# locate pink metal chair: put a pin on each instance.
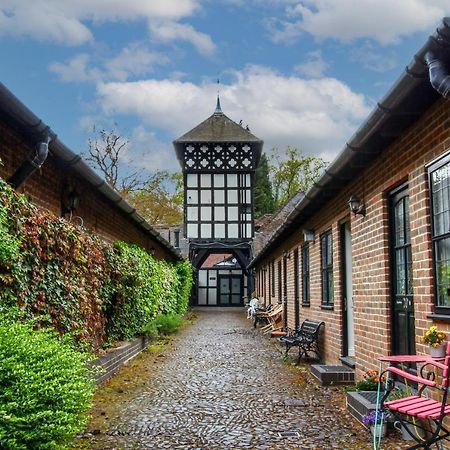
(430, 401)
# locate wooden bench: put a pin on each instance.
(261, 315)
(306, 338)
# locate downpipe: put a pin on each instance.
(439, 74)
(33, 163)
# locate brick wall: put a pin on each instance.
(49, 187)
(404, 161)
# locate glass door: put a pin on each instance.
(403, 324)
(230, 290)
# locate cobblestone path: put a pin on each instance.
(220, 384)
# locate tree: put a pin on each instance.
(155, 201)
(293, 172)
(157, 197)
(105, 152)
(264, 199)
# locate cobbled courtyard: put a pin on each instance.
(220, 384)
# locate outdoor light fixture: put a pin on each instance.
(286, 255)
(71, 203)
(356, 206)
(74, 201)
(308, 235)
(152, 251)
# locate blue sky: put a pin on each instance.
(301, 73)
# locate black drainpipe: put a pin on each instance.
(29, 166)
(439, 74)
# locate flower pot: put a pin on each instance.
(438, 352)
(381, 430)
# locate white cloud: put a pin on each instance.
(384, 21)
(314, 67)
(78, 69)
(373, 60)
(134, 60)
(170, 31)
(63, 21)
(317, 115)
(147, 152)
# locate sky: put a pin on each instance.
(300, 73)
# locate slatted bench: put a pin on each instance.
(306, 338)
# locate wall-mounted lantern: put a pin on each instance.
(356, 206)
(308, 235)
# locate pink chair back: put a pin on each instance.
(447, 364)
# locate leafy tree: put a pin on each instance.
(155, 201)
(292, 172)
(158, 197)
(264, 199)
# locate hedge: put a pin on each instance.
(46, 388)
(73, 281)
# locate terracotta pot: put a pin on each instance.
(438, 352)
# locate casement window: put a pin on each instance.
(218, 206)
(326, 247)
(439, 178)
(305, 276)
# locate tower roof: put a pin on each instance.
(218, 128)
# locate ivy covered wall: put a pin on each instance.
(61, 275)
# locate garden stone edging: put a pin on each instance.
(118, 357)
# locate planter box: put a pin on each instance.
(360, 403)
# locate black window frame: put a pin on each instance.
(326, 249)
(305, 274)
(245, 210)
(436, 239)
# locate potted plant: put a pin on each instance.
(370, 381)
(435, 339)
(376, 422)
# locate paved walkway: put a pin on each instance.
(220, 385)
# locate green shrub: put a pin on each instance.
(168, 324)
(150, 330)
(186, 280)
(142, 288)
(45, 388)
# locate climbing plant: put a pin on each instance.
(76, 283)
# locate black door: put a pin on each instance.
(230, 290)
(285, 295)
(296, 288)
(402, 293)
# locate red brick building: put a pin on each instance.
(65, 184)
(380, 277)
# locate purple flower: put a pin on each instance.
(369, 419)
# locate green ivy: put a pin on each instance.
(76, 283)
